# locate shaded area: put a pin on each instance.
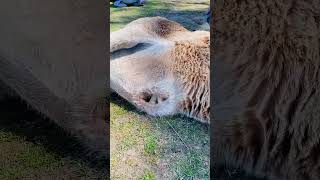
(182, 17)
(27, 138)
(191, 14)
(229, 173)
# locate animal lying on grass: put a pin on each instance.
(52, 55)
(162, 68)
(266, 88)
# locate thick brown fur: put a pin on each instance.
(266, 87)
(192, 68)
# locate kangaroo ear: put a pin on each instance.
(129, 51)
(144, 30)
(129, 37)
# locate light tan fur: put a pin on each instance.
(169, 76)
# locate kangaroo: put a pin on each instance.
(52, 55)
(266, 88)
(162, 68)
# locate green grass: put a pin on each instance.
(151, 145)
(190, 166)
(7, 136)
(37, 157)
(171, 147)
(149, 175)
(21, 159)
(32, 148)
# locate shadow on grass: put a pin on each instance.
(191, 19)
(18, 119)
(230, 173)
(118, 100)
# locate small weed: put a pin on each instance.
(191, 166)
(151, 145)
(7, 136)
(148, 175)
(128, 142)
(117, 111)
(36, 157)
